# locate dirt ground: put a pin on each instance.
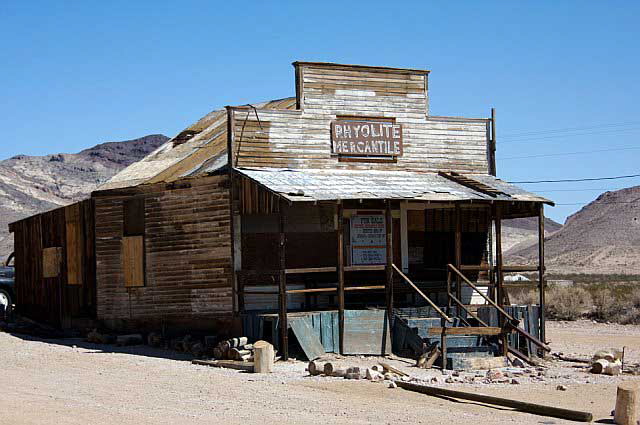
(73, 382)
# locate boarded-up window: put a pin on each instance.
(133, 211)
(133, 260)
(75, 243)
(51, 259)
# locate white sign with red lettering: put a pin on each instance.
(368, 239)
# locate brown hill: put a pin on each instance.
(523, 232)
(32, 184)
(603, 238)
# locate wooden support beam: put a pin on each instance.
(373, 268)
(310, 290)
(458, 248)
(541, 287)
(282, 316)
(365, 288)
(340, 214)
(310, 270)
(389, 265)
(497, 215)
(536, 409)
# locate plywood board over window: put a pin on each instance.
(75, 244)
(51, 259)
(133, 260)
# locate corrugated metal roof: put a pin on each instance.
(197, 148)
(331, 184)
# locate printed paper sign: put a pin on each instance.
(368, 239)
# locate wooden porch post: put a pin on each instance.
(499, 277)
(340, 223)
(389, 288)
(458, 250)
(541, 271)
(284, 326)
(497, 214)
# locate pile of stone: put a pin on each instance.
(376, 373)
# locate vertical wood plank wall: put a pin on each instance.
(69, 295)
(188, 261)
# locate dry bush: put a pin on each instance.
(523, 296)
(631, 317)
(606, 306)
(567, 303)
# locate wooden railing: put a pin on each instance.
(509, 322)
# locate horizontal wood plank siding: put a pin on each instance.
(301, 139)
(187, 254)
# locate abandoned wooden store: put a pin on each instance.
(345, 219)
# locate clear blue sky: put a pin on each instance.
(76, 73)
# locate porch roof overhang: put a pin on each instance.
(312, 185)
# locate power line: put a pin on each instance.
(571, 153)
(579, 190)
(555, 136)
(569, 129)
(578, 180)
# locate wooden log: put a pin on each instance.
(314, 368)
(627, 403)
(537, 409)
(237, 354)
(599, 366)
(217, 353)
(331, 370)
(264, 355)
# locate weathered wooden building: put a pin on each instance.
(346, 206)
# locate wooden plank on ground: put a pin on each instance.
(227, 364)
(307, 338)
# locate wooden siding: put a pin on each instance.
(187, 252)
(301, 138)
(69, 294)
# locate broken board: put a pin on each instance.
(307, 338)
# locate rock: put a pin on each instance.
(516, 362)
(494, 375)
(373, 375)
(515, 381)
(392, 385)
(455, 373)
(435, 380)
(449, 380)
(561, 388)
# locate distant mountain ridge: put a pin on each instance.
(33, 184)
(602, 238)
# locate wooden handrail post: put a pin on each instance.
(458, 248)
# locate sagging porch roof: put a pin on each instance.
(342, 184)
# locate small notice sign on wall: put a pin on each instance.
(366, 138)
(368, 239)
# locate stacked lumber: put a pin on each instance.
(237, 349)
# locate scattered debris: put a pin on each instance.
(561, 388)
(132, 339)
(392, 385)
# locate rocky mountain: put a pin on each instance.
(32, 184)
(602, 238)
(523, 232)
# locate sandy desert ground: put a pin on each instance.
(73, 382)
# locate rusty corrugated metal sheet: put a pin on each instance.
(326, 185)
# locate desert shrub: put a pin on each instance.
(522, 296)
(567, 303)
(606, 306)
(631, 317)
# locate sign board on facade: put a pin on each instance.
(368, 239)
(366, 138)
